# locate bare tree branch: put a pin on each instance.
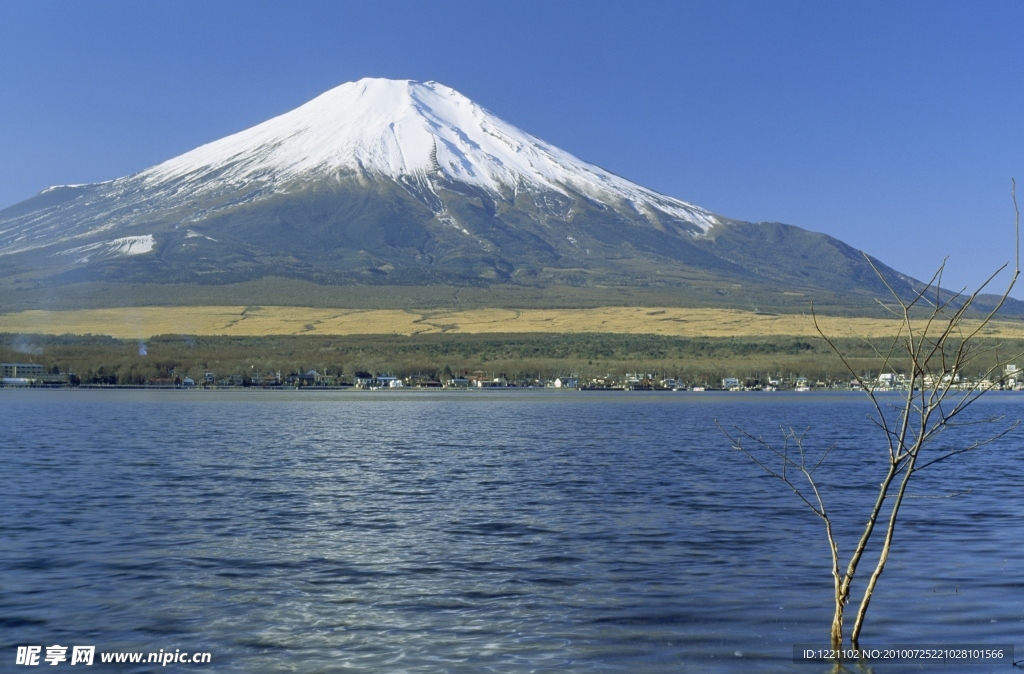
(939, 345)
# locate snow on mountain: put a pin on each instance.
(395, 128)
(122, 247)
(425, 137)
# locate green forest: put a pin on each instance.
(700, 361)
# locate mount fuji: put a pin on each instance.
(382, 183)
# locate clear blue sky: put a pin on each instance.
(894, 127)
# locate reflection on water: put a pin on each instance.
(506, 532)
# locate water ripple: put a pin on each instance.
(494, 533)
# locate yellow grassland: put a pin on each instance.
(144, 322)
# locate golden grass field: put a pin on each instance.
(145, 322)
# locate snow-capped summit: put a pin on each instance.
(394, 128)
(401, 183)
(425, 138)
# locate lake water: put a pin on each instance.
(477, 532)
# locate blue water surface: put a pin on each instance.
(543, 531)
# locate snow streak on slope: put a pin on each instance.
(123, 247)
(395, 128)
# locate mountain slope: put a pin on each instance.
(381, 182)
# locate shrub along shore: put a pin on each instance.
(696, 361)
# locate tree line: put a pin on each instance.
(99, 359)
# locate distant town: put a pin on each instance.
(34, 375)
